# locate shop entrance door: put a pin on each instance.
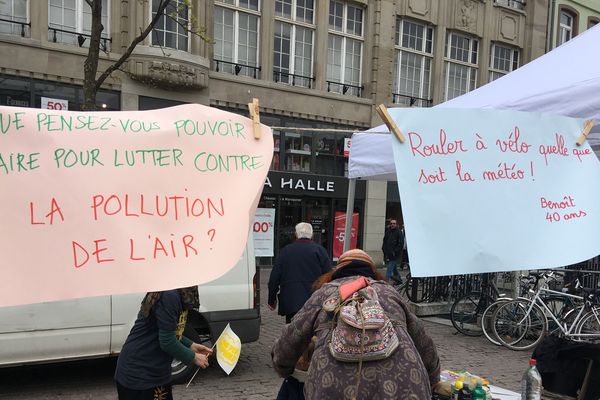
(290, 214)
(318, 213)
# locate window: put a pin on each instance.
(293, 46)
(518, 4)
(171, 30)
(70, 21)
(566, 27)
(298, 151)
(236, 37)
(592, 21)
(26, 92)
(412, 64)
(18, 12)
(503, 60)
(460, 67)
(344, 50)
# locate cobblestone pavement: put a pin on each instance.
(253, 377)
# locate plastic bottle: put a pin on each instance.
(466, 392)
(457, 389)
(531, 387)
(478, 393)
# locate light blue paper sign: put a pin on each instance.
(488, 191)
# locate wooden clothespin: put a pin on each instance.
(255, 116)
(589, 124)
(389, 122)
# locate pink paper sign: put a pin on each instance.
(116, 202)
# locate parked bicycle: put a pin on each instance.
(527, 284)
(521, 324)
(467, 311)
(439, 288)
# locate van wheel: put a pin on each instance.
(181, 373)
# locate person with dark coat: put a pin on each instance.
(392, 247)
(298, 265)
(410, 372)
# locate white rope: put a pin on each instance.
(291, 128)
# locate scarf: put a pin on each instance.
(353, 268)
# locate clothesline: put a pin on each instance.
(332, 130)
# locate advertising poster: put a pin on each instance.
(262, 231)
(339, 228)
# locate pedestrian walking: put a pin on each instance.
(298, 265)
(392, 247)
(144, 365)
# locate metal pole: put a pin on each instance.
(349, 212)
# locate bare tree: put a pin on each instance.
(92, 81)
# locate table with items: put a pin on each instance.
(464, 385)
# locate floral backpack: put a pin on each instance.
(361, 330)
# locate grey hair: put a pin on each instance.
(304, 231)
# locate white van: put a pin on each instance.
(98, 326)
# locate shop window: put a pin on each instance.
(275, 164)
(172, 28)
(460, 66)
(56, 91)
(290, 213)
(318, 214)
(14, 92)
(24, 92)
(345, 47)
(70, 22)
(298, 151)
(325, 150)
(236, 26)
(105, 100)
(14, 17)
(154, 103)
(503, 59)
(294, 40)
(412, 64)
(341, 158)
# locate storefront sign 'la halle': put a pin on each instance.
(315, 184)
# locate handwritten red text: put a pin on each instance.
(558, 148)
(442, 147)
(513, 143)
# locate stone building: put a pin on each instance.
(320, 64)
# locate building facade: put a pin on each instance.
(318, 67)
(568, 18)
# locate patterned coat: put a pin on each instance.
(407, 374)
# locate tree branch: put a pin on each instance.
(117, 64)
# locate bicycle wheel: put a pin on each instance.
(399, 286)
(415, 292)
(589, 325)
(486, 320)
(466, 313)
(516, 327)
